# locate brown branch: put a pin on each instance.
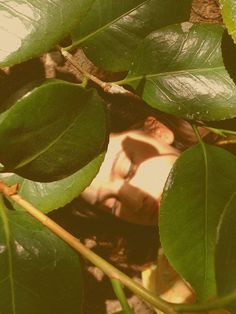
(108, 87)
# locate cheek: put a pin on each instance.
(152, 175)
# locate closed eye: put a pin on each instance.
(131, 172)
(123, 167)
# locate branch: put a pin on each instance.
(108, 269)
(227, 141)
(108, 87)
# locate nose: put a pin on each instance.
(98, 192)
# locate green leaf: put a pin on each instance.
(113, 29)
(228, 12)
(179, 70)
(52, 131)
(29, 28)
(226, 252)
(39, 272)
(199, 187)
(52, 195)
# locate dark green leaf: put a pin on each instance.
(29, 28)
(179, 69)
(39, 272)
(52, 195)
(113, 29)
(226, 252)
(199, 187)
(228, 11)
(52, 131)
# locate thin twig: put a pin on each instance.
(221, 132)
(108, 87)
(226, 141)
(228, 136)
(108, 269)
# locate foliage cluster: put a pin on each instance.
(53, 137)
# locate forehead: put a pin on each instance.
(137, 141)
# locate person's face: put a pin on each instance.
(132, 177)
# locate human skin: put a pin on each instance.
(132, 177)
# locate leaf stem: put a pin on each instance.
(84, 82)
(119, 291)
(221, 132)
(195, 129)
(206, 203)
(107, 268)
(230, 139)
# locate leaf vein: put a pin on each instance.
(104, 27)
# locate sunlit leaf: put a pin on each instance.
(29, 28)
(52, 131)
(199, 187)
(179, 69)
(113, 29)
(39, 272)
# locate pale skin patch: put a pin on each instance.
(132, 177)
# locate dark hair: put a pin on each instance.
(126, 114)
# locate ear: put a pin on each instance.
(165, 134)
(158, 130)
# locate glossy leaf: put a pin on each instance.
(179, 69)
(199, 187)
(39, 272)
(226, 252)
(52, 195)
(52, 131)
(113, 29)
(29, 28)
(228, 11)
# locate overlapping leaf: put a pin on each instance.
(29, 28)
(228, 11)
(52, 131)
(52, 195)
(226, 253)
(179, 70)
(113, 29)
(199, 187)
(39, 272)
